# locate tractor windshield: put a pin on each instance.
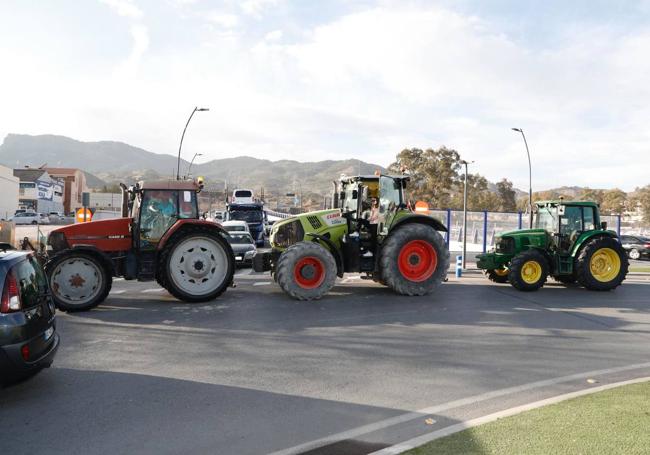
(545, 219)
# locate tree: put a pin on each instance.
(588, 194)
(434, 173)
(614, 202)
(506, 195)
(641, 200)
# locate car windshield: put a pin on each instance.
(240, 239)
(235, 228)
(545, 219)
(250, 216)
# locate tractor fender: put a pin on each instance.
(583, 239)
(105, 259)
(333, 249)
(422, 219)
(179, 224)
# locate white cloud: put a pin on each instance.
(225, 20)
(126, 8)
(275, 35)
(256, 8)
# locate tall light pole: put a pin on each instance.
(189, 169)
(178, 163)
(530, 177)
(465, 213)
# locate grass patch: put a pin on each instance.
(615, 421)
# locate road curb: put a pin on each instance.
(421, 440)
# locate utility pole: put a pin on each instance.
(530, 178)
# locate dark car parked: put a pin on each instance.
(28, 338)
(637, 246)
(243, 247)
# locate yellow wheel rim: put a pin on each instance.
(531, 272)
(501, 272)
(605, 265)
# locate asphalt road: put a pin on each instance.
(255, 372)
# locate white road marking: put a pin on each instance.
(261, 283)
(364, 429)
(420, 440)
(153, 290)
(120, 291)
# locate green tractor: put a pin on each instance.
(568, 243)
(370, 230)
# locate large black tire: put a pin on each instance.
(528, 271)
(196, 264)
(79, 280)
(497, 275)
(602, 264)
(306, 271)
(414, 259)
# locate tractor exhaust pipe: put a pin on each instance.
(335, 195)
(125, 200)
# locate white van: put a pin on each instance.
(242, 196)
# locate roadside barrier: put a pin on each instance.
(459, 266)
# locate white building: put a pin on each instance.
(38, 191)
(9, 185)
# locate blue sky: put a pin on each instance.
(311, 80)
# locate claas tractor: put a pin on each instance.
(160, 236)
(568, 242)
(370, 230)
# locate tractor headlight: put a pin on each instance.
(287, 234)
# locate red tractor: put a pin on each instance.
(159, 237)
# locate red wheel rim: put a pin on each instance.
(309, 272)
(417, 260)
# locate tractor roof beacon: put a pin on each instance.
(568, 242)
(159, 236)
(370, 230)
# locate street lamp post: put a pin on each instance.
(178, 163)
(530, 178)
(189, 169)
(465, 214)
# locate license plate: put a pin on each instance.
(48, 333)
(238, 258)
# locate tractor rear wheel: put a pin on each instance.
(306, 271)
(497, 275)
(79, 280)
(414, 260)
(528, 271)
(602, 264)
(196, 265)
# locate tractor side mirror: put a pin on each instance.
(355, 194)
(603, 225)
(205, 215)
(560, 210)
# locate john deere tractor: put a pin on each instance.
(370, 230)
(568, 242)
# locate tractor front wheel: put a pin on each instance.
(197, 265)
(602, 264)
(414, 260)
(528, 271)
(497, 275)
(78, 280)
(306, 271)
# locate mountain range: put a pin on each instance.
(110, 162)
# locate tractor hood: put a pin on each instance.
(523, 233)
(329, 217)
(105, 235)
(516, 240)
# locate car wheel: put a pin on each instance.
(634, 254)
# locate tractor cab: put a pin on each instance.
(567, 221)
(156, 206)
(371, 202)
